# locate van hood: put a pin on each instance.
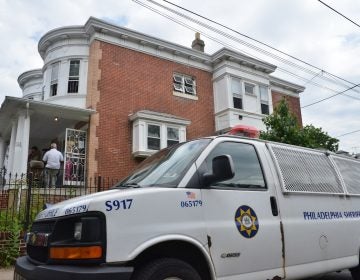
(84, 203)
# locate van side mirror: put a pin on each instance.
(222, 169)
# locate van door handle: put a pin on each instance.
(274, 208)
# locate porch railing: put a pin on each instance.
(23, 196)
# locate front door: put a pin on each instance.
(243, 227)
(75, 157)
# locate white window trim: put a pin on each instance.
(163, 134)
(142, 119)
(54, 80)
(265, 102)
(241, 85)
(237, 95)
(185, 95)
(78, 76)
(147, 134)
(182, 92)
(173, 127)
(255, 86)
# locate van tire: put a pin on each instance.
(355, 273)
(166, 268)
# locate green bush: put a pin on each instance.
(11, 248)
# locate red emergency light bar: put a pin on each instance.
(245, 130)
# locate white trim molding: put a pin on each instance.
(140, 123)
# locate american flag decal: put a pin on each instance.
(191, 195)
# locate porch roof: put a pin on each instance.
(42, 115)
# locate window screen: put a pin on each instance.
(350, 172)
(306, 171)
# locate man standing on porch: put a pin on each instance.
(53, 159)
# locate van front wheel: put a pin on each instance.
(355, 273)
(166, 269)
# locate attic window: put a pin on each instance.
(184, 84)
(249, 88)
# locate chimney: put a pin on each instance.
(198, 44)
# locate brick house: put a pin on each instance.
(110, 97)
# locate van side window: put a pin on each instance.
(248, 172)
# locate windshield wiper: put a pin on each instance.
(128, 185)
(235, 185)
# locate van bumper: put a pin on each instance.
(25, 270)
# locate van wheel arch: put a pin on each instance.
(166, 268)
(176, 249)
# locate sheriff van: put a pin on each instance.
(223, 207)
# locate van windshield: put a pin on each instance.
(167, 167)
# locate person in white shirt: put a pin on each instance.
(53, 159)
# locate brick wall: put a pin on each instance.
(126, 81)
(4, 198)
(293, 102)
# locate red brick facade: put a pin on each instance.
(129, 81)
(293, 102)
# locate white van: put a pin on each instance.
(214, 208)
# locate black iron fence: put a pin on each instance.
(23, 196)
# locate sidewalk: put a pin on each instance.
(6, 273)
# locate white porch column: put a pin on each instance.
(21, 144)
(2, 151)
(12, 147)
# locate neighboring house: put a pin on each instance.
(110, 96)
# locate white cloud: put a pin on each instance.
(305, 29)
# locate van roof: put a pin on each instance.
(327, 152)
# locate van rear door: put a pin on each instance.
(319, 237)
(241, 216)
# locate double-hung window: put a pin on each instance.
(264, 100)
(74, 71)
(172, 136)
(153, 138)
(236, 93)
(153, 131)
(158, 133)
(184, 84)
(54, 78)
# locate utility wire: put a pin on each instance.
(321, 100)
(255, 40)
(211, 37)
(348, 134)
(309, 81)
(335, 12)
(258, 49)
(230, 46)
(216, 40)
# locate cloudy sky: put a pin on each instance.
(305, 29)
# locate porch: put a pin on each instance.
(27, 123)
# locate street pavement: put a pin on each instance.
(7, 274)
(344, 275)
